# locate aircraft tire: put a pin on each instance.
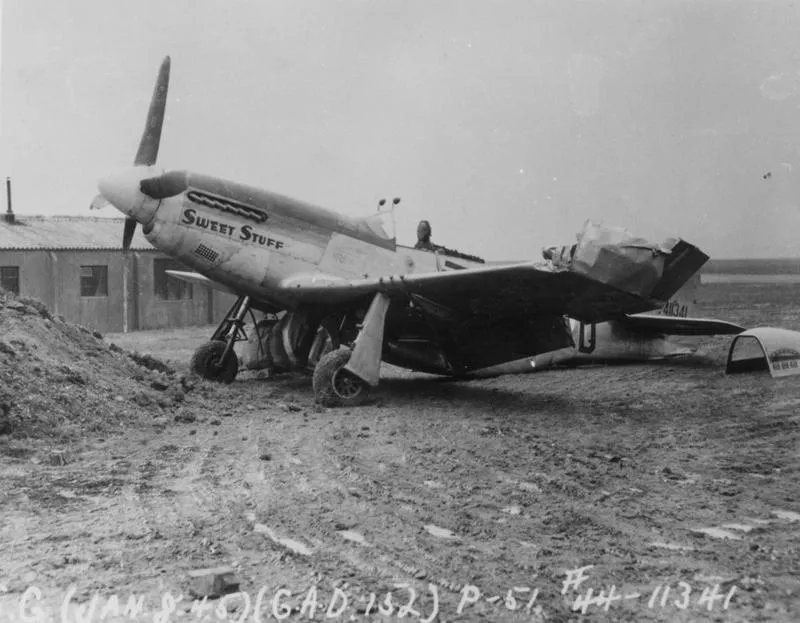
(335, 387)
(205, 359)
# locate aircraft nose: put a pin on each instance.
(121, 189)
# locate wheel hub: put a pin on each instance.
(346, 385)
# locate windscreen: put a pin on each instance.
(381, 224)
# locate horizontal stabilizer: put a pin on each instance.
(670, 325)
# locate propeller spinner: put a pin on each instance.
(121, 189)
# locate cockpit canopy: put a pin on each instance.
(380, 224)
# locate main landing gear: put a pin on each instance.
(342, 376)
(216, 360)
(334, 386)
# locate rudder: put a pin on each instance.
(683, 304)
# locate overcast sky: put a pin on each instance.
(506, 123)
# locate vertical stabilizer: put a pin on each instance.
(680, 267)
(683, 304)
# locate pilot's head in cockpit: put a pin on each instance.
(424, 231)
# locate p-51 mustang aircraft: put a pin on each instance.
(345, 280)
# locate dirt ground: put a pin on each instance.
(633, 493)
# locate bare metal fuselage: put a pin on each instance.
(604, 342)
(257, 251)
(259, 244)
(346, 280)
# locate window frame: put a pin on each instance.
(100, 279)
(16, 278)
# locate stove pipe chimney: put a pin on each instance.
(9, 213)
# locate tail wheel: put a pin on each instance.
(336, 387)
(207, 362)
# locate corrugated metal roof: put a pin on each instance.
(67, 232)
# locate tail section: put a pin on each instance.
(681, 265)
(612, 255)
(640, 337)
(683, 303)
(678, 316)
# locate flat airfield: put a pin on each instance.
(642, 492)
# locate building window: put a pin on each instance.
(94, 280)
(9, 278)
(169, 288)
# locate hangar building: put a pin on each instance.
(75, 265)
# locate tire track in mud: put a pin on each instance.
(387, 492)
(529, 489)
(177, 495)
(384, 500)
(310, 485)
(153, 500)
(420, 558)
(80, 511)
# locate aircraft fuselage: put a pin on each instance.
(346, 280)
(255, 240)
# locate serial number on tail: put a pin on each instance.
(675, 309)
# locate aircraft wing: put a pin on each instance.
(492, 292)
(198, 279)
(671, 325)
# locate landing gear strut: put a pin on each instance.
(333, 385)
(343, 377)
(216, 360)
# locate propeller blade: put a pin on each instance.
(127, 235)
(98, 203)
(151, 137)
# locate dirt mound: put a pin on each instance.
(59, 380)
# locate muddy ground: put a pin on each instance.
(672, 486)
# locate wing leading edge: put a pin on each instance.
(600, 281)
(497, 292)
(201, 280)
